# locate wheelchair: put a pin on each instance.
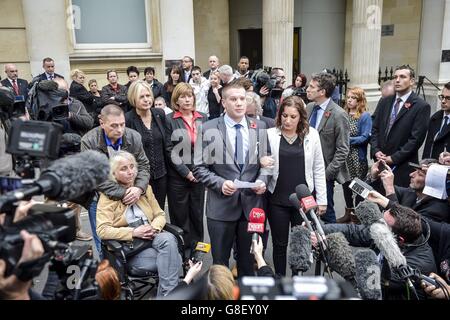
(137, 283)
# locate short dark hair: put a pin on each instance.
(48, 59)
(326, 81)
(244, 57)
(408, 224)
(196, 68)
(149, 70)
(447, 86)
(109, 71)
(412, 73)
(131, 69)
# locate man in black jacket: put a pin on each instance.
(400, 126)
(438, 138)
(413, 197)
(406, 224)
(19, 86)
(48, 64)
(157, 87)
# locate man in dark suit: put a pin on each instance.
(438, 138)
(49, 72)
(19, 86)
(187, 63)
(237, 144)
(213, 62)
(400, 126)
(332, 123)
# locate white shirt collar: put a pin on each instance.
(231, 123)
(404, 97)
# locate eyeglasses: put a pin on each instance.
(442, 97)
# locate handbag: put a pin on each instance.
(131, 248)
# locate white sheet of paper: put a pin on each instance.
(435, 181)
(245, 184)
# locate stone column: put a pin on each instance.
(434, 40)
(177, 27)
(47, 35)
(366, 43)
(278, 35)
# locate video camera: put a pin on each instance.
(56, 228)
(48, 103)
(32, 141)
(262, 77)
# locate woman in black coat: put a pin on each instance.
(186, 195)
(78, 91)
(151, 124)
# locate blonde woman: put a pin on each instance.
(144, 220)
(360, 128)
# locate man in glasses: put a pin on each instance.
(438, 137)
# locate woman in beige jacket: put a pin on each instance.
(145, 220)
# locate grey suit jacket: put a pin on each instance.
(217, 165)
(334, 131)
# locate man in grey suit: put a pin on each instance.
(332, 123)
(232, 147)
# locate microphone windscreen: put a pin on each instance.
(300, 249)
(368, 212)
(340, 256)
(6, 97)
(79, 173)
(386, 243)
(294, 201)
(368, 275)
(47, 85)
(302, 191)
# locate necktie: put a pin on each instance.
(15, 87)
(394, 113)
(444, 125)
(239, 147)
(313, 119)
(50, 77)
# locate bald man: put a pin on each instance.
(19, 86)
(213, 62)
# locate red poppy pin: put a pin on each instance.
(407, 105)
(327, 114)
(252, 124)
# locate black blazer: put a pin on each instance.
(433, 147)
(132, 117)
(182, 170)
(80, 92)
(41, 77)
(403, 141)
(21, 83)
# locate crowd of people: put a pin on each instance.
(196, 132)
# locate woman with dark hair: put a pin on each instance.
(175, 77)
(297, 88)
(360, 129)
(151, 124)
(186, 195)
(298, 159)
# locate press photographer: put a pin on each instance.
(50, 101)
(269, 85)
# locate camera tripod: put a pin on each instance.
(420, 88)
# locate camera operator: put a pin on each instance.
(406, 224)
(11, 287)
(270, 98)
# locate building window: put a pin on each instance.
(103, 24)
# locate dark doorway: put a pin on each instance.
(250, 44)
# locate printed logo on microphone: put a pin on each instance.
(255, 227)
(308, 203)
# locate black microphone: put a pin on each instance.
(340, 256)
(309, 204)
(300, 256)
(294, 201)
(368, 275)
(65, 179)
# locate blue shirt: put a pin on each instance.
(116, 146)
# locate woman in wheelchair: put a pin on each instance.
(144, 220)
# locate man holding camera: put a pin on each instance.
(270, 98)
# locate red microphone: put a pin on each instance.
(255, 225)
(308, 203)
